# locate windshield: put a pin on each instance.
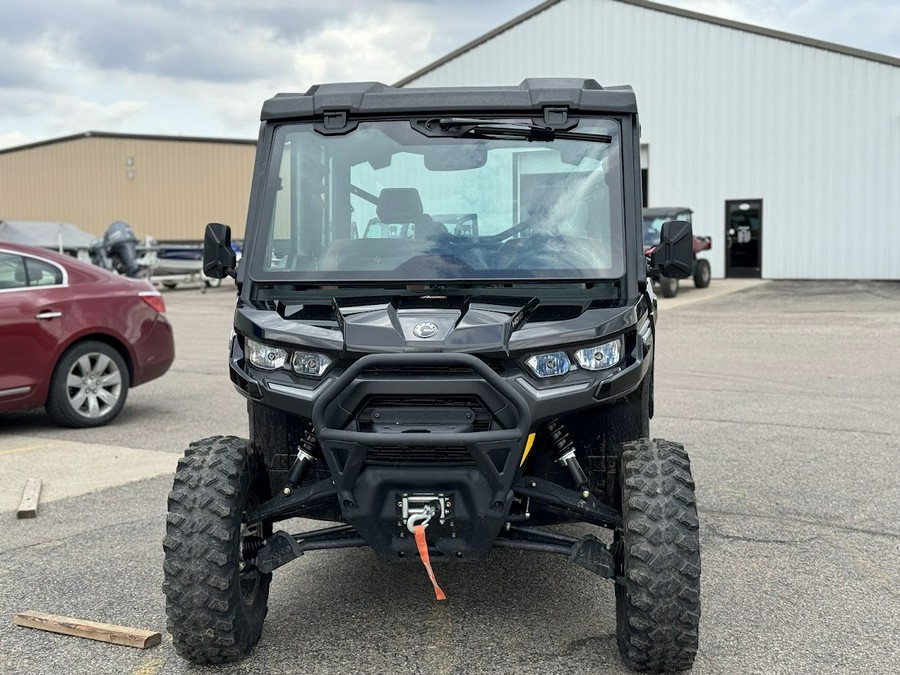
(653, 225)
(652, 228)
(388, 201)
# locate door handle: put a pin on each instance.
(47, 315)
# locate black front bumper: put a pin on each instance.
(471, 472)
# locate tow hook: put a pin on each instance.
(422, 518)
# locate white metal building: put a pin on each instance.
(787, 146)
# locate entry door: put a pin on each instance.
(743, 238)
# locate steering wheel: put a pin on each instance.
(507, 233)
(537, 257)
(427, 263)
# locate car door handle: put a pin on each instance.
(47, 315)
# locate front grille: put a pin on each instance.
(405, 455)
(481, 422)
(409, 371)
(418, 371)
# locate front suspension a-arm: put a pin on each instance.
(283, 506)
(590, 510)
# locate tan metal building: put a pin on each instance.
(165, 187)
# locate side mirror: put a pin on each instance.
(219, 259)
(674, 256)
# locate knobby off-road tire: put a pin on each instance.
(668, 287)
(658, 606)
(215, 610)
(702, 273)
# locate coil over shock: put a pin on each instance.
(565, 454)
(306, 457)
(250, 546)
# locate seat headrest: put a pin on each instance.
(399, 205)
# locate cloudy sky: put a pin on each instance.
(203, 67)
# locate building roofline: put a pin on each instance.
(139, 137)
(477, 42)
(657, 7)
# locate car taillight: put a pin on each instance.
(155, 300)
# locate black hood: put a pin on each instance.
(449, 325)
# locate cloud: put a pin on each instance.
(237, 40)
(91, 115)
(203, 67)
(170, 39)
(363, 47)
(65, 114)
(21, 67)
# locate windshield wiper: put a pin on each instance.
(465, 126)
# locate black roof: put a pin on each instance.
(666, 210)
(656, 7)
(376, 98)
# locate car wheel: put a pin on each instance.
(216, 598)
(702, 273)
(658, 559)
(89, 385)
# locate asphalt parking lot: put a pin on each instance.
(785, 394)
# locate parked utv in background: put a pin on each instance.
(442, 395)
(653, 222)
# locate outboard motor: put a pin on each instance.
(97, 252)
(120, 245)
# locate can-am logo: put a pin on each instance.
(425, 329)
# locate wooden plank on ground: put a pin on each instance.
(30, 495)
(93, 630)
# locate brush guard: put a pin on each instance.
(467, 476)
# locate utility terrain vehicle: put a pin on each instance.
(654, 218)
(439, 395)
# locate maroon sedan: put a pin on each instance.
(74, 337)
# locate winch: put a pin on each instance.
(420, 509)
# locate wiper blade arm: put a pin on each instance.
(488, 129)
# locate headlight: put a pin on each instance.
(602, 356)
(549, 365)
(310, 364)
(264, 356)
